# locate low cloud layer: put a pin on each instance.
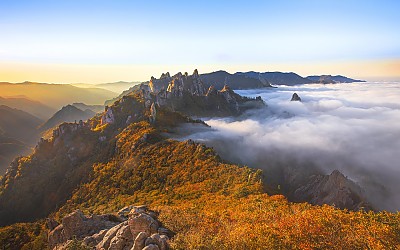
(354, 128)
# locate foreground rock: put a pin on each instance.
(138, 230)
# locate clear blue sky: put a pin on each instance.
(158, 35)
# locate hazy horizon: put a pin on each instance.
(134, 81)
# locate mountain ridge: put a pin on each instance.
(68, 113)
(123, 156)
(291, 78)
(56, 95)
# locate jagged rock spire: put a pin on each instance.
(196, 73)
(165, 75)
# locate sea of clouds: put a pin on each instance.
(353, 127)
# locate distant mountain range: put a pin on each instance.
(17, 134)
(20, 130)
(93, 108)
(55, 95)
(17, 123)
(277, 78)
(290, 79)
(35, 108)
(235, 81)
(326, 79)
(117, 87)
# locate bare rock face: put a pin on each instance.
(108, 117)
(151, 247)
(136, 231)
(187, 94)
(142, 222)
(77, 224)
(123, 239)
(140, 241)
(158, 85)
(295, 97)
(95, 238)
(153, 113)
(181, 84)
(230, 96)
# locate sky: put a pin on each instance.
(104, 41)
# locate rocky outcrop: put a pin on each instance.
(153, 113)
(187, 94)
(78, 225)
(108, 116)
(295, 97)
(66, 128)
(158, 85)
(140, 229)
(334, 189)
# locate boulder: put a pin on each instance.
(151, 247)
(105, 242)
(77, 225)
(123, 239)
(139, 242)
(94, 239)
(160, 241)
(142, 223)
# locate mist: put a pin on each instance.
(354, 128)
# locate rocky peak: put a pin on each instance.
(195, 73)
(179, 91)
(295, 97)
(177, 75)
(333, 189)
(165, 75)
(158, 85)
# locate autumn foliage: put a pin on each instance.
(208, 203)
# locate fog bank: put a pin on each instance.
(354, 128)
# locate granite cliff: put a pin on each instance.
(187, 94)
